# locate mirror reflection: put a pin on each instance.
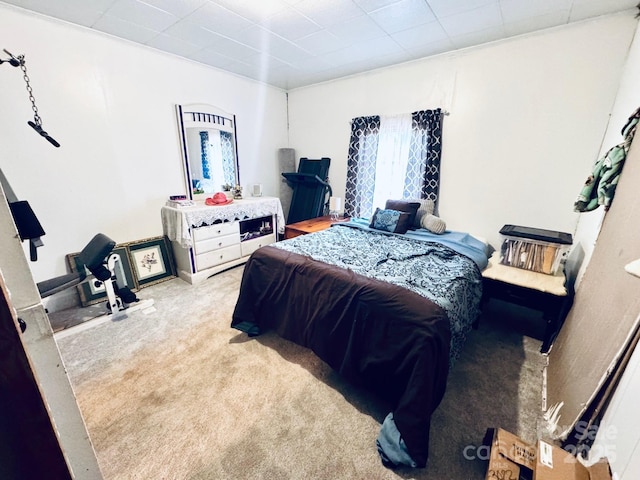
(208, 138)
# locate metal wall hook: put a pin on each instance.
(13, 61)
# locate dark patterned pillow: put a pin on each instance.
(392, 221)
(404, 206)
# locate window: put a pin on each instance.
(393, 157)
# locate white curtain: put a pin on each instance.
(392, 158)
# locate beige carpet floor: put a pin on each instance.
(175, 393)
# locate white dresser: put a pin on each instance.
(209, 239)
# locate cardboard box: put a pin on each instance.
(554, 463)
(512, 458)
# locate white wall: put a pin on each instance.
(111, 104)
(526, 120)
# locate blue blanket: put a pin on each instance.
(461, 242)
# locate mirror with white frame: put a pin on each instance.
(209, 148)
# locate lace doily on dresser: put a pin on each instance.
(177, 222)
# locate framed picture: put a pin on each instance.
(151, 260)
(89, 292)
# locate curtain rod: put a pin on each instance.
(442, 112)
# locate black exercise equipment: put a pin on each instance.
(311, 189)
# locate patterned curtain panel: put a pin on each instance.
(204, 148)
(228, 163)
(418, 163)
(361, 166)
(423, 169)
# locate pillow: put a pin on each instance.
(433, 224)
(404, 206)
(392, 221)
(427, 207)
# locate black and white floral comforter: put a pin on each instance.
(450, 279)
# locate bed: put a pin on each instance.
(389, 312)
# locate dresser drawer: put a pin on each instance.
(216, 257)
(250, 246)
(204, 246)
(217, 230)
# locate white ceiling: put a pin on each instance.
(293, 43)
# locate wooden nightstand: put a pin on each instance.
(539, 291)
(309, 226)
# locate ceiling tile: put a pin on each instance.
(287, 52)
(290, 24)
(230, 48)
(402, 15)
(322, 41)
(134, 11)
(361, 51)
(532, 24)
(421, 35)
(389, 59)
(329, 12)
(446, 8)
(376, 47)
(266, 61)
(80, 12)
(344, 56)
(256, 11)
(262, 39)
(371, 5)
(258, 37)
(357, 29)
(189, 32)
(179, 8)
(120, 28)
(291, 43)
(516, 10)
(478, 19)
(583, 9)
(313, 64)
(218, 19)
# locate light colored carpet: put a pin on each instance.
(178, 394)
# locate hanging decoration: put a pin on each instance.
(600, 186)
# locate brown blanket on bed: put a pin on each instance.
(378, 335)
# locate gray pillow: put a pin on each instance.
(433, 224)
(427, 207)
